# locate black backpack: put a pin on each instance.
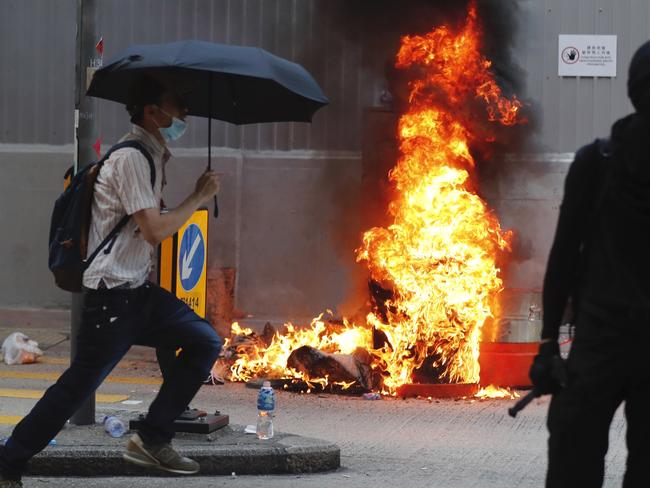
(70, 223)
(604, 156)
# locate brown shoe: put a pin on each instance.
(161, 456)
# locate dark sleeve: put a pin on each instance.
(563, 261)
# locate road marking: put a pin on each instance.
(23, 375)
(37, 394)
(10, 419)
(124, 364)
(59, 361)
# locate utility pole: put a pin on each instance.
(85, 134)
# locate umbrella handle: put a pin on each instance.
(216, 207)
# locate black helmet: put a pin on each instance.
(638, 81)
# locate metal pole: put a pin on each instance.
(216, 204)
(210, 123)
(85, 136)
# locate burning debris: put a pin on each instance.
(329, 353)
(355, 368)
(434, 274)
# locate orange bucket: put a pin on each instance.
(506, 363)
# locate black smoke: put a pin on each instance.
(378, 25)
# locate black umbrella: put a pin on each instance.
(242, 85)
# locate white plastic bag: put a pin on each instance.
(20, 349)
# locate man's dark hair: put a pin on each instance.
(146, 90)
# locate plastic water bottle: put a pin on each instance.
(114, 426)
(265, 410)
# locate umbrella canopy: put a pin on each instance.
(237, 84)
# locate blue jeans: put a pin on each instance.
(113, 321)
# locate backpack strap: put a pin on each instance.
(605, 149)
(603, 155)
(112, 235)
(600, 161)
(134, 145)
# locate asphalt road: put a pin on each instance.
(414, 443)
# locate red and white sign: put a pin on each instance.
(587, 55)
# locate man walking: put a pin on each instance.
(121, 307)
(601, 259)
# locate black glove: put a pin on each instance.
(548, 371)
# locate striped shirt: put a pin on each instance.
(124, 187)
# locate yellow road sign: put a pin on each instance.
(183, 260)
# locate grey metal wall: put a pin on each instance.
(37, 42)
(287, 187)
(37, 51)
(37, 59)
(284, 185)
(576, 110)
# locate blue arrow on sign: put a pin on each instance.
(192, 257)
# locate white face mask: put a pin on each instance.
(175, 130)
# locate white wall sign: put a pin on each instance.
(587, 55)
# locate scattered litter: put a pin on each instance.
(347, 476)
(131, 402)
(346, 368)
(371, 396)
(233, 475)
(215, 377)
(53, 442)
(424, 469)
(114, 426)
(251, 429)
(20, 349)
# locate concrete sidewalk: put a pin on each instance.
(29, 318)
(87, 451)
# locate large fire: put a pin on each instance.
(438, 257)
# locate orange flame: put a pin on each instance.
(439, 254)
(494, 392)
(253, 359)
